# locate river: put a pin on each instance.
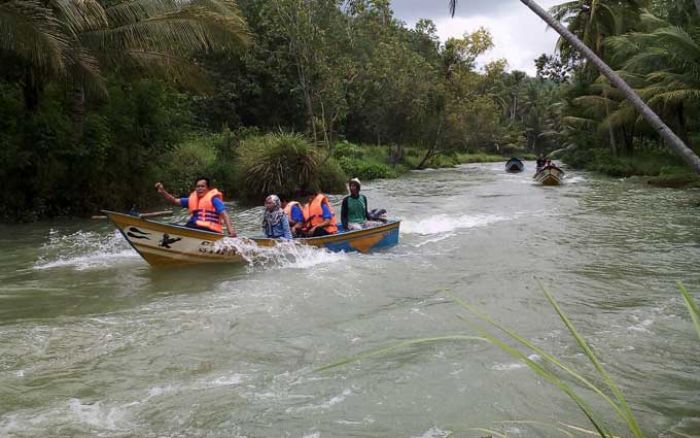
(94, 342)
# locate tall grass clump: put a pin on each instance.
(276, 163)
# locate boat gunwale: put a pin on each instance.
(207, 235)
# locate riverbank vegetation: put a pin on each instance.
(100, 99)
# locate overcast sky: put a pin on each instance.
(519, 35)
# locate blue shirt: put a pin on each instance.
(297, 214)
(326, 211)
(216, 202)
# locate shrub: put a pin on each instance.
(347, 150)
(366, 169)
(276, 163)
(331, 177)
(193, 158)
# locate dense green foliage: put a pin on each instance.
(99, 99)
(655, 46)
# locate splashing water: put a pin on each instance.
(83, 250)
(285, 254)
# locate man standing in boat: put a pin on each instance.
(207, 209)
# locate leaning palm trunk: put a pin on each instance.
(673, 141)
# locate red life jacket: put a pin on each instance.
(207, 217)
(313, 214)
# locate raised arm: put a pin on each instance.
(170, 198)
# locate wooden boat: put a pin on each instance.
(549, 176)
(514, 165)
(166, 245)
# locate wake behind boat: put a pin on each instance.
(168, 245)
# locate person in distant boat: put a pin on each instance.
(353, 212)
(295, 216)
(207, 209)
(319, 217)
(541, 160)
(275, 224)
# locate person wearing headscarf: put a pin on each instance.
(275, 224)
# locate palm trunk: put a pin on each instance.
(697, 6)
(611, 131)
(673, 141)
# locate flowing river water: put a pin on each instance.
(94, 342)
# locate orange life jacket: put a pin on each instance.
(288, 209)
(207, 217)
(313, 214)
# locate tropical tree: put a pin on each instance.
(674, 142)
(667, 59)
(76, 41)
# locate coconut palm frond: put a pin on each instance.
(176, 69)
(651, 21)
(188, 29)
(676, 97)
(623, 115)
(579, 122)
(652, 58)
(32, 31)
(563, 10)
(80, 16)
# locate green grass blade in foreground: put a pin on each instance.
(550, 377)
(545, 355)
(628, 415)
(556, 427)
(397, 346)
(692, 307)
(684, 435)
(489, 431)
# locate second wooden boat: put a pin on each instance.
(550, 176)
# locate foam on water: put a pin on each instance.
(84, 250)
(443, 223)
(289, 254)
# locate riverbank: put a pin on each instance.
(660, 168)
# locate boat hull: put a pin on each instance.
(514, 165)
(171, 245)
(550, 176)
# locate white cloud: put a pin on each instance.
(519, 35)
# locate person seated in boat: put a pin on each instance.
(319, 217)
(354, 214)
(295, 216)
(206, 206)
(275, 224)
(541, 160)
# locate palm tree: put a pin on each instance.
(674, 142)
(667, 59)
(75, 41)
(594, 20)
